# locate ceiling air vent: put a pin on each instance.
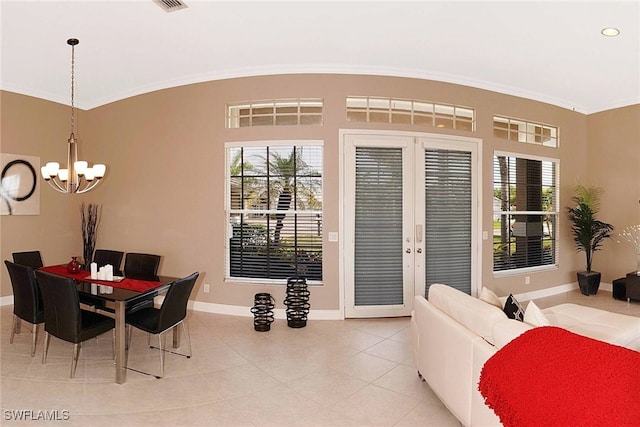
(171, 5)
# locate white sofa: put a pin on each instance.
(454, 334)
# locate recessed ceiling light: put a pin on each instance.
(610, 32)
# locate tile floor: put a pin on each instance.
(330, 373)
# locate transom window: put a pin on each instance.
(524, 212)
(408, 111)
(274, 206)
(275, 112)
(525, 131)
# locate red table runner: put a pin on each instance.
(549, 376)
(130, 284)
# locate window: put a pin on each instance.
(525, 212)
(524, 131)
(274, 206)
(275, 112)
(407, 111)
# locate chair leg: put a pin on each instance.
(14, 325)
(185, 332)
(162, 340)
(34, 339)
(47, 338)
(74, 361)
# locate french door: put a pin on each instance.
(409, 219)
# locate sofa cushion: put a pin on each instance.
(472, 313)
(513, 309)
(534, 316)
(613, 328)
(507, 329)
(487, 295)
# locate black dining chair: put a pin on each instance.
(31, 258)
(141, 266)
(27, 302)
(63, 317)
(157, 321)
(103, 257)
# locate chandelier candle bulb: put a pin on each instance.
(99, 170)
(81, 167)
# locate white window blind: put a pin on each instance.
(448, 186)
(378, 226)
(275, 212)
(525, 212)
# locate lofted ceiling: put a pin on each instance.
(544, 50)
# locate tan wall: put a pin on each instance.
(164, 189)
(614, 165)
(33, 127)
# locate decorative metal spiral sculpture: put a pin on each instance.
(297, 302)
(263, 312)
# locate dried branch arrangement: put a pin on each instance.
(91, 214)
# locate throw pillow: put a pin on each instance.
(488, 296)
(534, 316)
(513, 309)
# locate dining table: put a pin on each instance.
(118, 295)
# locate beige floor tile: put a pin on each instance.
(286, 367)
(404, 380)
(425, 415)
(277, 406)
(376, 406)
(365, 367)
(327, 387)
(394, 351)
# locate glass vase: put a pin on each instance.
(74, 266)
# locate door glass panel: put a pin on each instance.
(448, 185)
(378, 276)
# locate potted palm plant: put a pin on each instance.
(588, 233)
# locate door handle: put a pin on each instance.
(408, 250)
(419, 250)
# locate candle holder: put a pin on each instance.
(262, 310)
(297, 302)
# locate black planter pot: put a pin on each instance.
(589, 282)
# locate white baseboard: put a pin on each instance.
(548, 292)
(231, 310)
(280, 313)
(238, 310)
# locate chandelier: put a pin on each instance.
(78, 177)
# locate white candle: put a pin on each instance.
(109, 272)
(101, 274)
(94, 270)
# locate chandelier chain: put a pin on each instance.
(73, 62)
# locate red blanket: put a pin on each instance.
(549, 376)
(131, 284)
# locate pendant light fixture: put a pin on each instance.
(78, 177)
